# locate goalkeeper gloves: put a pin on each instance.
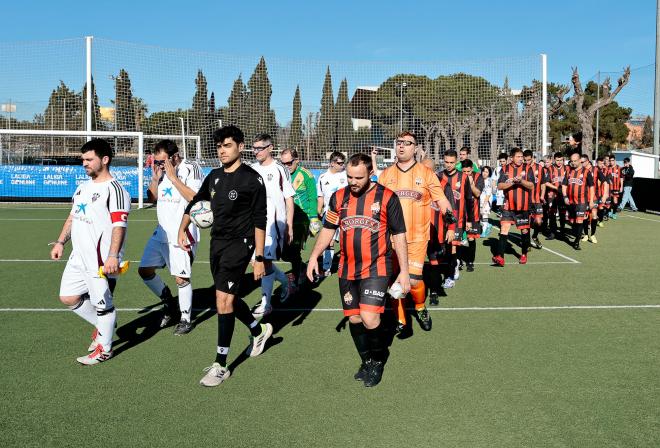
(314, 226)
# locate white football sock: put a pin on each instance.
(86, 310)
(267, 282)
(105, 324)
(185, 301)
(156, 285)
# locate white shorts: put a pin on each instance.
(275, 234)
(158, 255)
(77, 280)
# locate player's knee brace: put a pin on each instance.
(182, 283)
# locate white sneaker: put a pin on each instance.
(327, 273)
(449, 283)
(262, 310)
(259, 342)
(97, 356)
(92, 345)
(457, 273)
(215, 375)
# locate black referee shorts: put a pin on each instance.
(229, 260)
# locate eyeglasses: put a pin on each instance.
(405, 143)
(338, 162)
(162, 162)
(291, 162)
(260, 148)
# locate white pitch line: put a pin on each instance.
(562, 255)
(643, 219)
(316, 310)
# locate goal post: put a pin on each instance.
(30, 171)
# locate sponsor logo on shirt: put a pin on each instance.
(82, 208)
(409, 194)
(360, 222)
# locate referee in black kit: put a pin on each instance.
(238, 200)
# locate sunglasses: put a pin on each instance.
(289, 163)
(338, 162)
(260, 148)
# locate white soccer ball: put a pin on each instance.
(201, 214)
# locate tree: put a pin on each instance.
(259, 118)
(236, 104)
(586, 110)
(326, 129)
(199, 114)
(63, 112)
(295, 135)
(124, 107)
(647, 133)
(97, 125)
(344, 135)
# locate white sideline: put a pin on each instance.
(638, 217)
(474, 308)
(561, 255)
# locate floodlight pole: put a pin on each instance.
(656, 108)
(594, 155)
(88, 44)
(544, 105)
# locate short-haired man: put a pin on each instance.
(305, 219)
(174, 182)
(578, 193)
(369, 218)
(517, 182)
(616, 188)
(554, 198)
(601, 192)
(329, 182)
(238, 201)
(416, 186)
(538, 196)
(279, 220)
(628, 173)
(463, 155)
(96, 227)
(476, 185)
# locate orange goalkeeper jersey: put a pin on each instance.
(416, 188)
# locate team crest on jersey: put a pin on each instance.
(418, 181)
(457, 195)
(233, 195)
(360, 222)
(409, 194)
(375, 207)
(348, 298)
(95, 196)
(458, 183)
(269, 177)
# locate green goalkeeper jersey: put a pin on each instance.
(305, 185)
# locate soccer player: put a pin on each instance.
(96, 227)
(578, 193)
(476, 184)
(174, 182)
(238, 200)
(369, 218)
(601, 193)
(279, 221)
(416, 186)
(463, 155)
(556, 174)
(305, 219)
(332, 180)
(538, 196)
(517, 182)
(617, 186)
(461, 205)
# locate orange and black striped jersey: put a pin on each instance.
(461, 195)
(600, 179)
(578, 181)
(615, 175)
(479, 183)
(517, 197)
(416, 187)
(439, 226)
(366, 224)
(540, 177)
(556, 175)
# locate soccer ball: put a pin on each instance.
(201, 214)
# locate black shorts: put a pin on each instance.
(475, 231)
(229, 260)
(367, 294)
(577, 212)
(437, 251)
(536, 209)
(519, 218)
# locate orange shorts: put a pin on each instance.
(416, 258)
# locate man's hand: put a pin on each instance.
(449, 236)
(57, 251)
(404, 280)
(170, 171)
(312, 268)
(183, 241)
(468, 226)
(111, 265)
(289, 234)
(258, 269)
(592, 205)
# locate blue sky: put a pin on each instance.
(594, 35)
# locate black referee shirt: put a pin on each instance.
(238, 201)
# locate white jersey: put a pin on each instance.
(277, 181)
(98, 207)
(171, 205)
(329, 183)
